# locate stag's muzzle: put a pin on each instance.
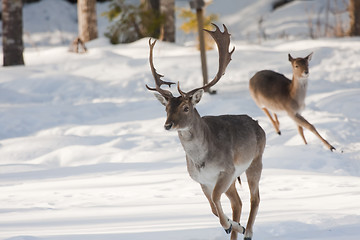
(168, 126)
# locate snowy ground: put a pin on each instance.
(84, 155)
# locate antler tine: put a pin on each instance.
(157, 77)
(179, 90)
(222, 40)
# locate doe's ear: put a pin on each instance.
(291, 59)
(308, 57)
(161, 99)
(196, 97)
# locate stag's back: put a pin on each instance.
(239, 134)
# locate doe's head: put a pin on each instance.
(300, 65)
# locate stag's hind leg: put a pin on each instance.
(253, 174)
(275, 122)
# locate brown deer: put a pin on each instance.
(273, 91)
(218, 148)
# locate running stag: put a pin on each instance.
(218, 148)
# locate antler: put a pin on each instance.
(222, 40)
(157, 77)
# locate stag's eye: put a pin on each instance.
(186, 109)
(296, 66)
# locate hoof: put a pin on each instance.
(247, 238)
(279, 132)
(243, 230)
(228, 231)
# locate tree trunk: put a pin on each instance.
(87, 20)
(354, 12)
(12, 25)
(153, 5)
(168, 9)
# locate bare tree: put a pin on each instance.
(87, 20)
(167, 7)
(354, 12)
(12, 25)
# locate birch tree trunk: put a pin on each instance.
(87, 20)
(354, 12)
(12, 26)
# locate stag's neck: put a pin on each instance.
(298, 89)
(193, 140)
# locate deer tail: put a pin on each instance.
(239, 180)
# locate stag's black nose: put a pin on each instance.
(168, 126)
(306, 71)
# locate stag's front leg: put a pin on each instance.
(207, 191)
(223, 183)
(236, 206)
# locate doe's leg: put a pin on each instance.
(276, 123)
(301, 132)
(300, 120)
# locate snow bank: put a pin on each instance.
(84, 154)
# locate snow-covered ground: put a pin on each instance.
(84, 155)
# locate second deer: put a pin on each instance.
(275, 92)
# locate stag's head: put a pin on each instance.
(181, 110)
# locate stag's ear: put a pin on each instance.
(196, 97)
(161, 99)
